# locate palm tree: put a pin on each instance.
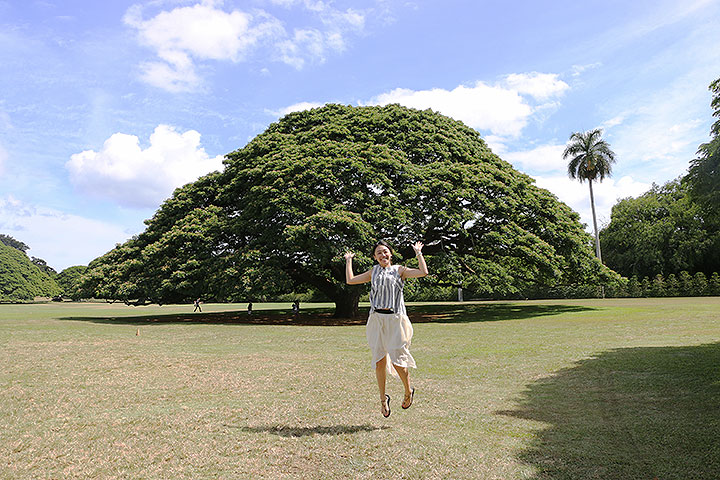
(590, 159)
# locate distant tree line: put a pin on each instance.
(682, 285)
(663, 231)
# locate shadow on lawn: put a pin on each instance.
(487, 312)
(455, 313)
(630, 413)
(286, 431)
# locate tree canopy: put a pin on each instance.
(590, 156)
(660, 232)
(704, 174)
(69, 281)
(20, 279)
(319, 182)
(43, 266)
(12, 242)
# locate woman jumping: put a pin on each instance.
(388, 329)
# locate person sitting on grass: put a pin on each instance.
(389, 331)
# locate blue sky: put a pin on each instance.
(106, 107)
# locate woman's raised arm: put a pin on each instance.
(416, 272)
(350, 277)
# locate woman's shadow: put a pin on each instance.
(288, 431)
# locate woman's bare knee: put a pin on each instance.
(401, 370)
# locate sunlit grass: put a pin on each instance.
(555, 389)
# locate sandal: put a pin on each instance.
(412, 395)
(387, 402)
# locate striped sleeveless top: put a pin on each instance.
(386, 289)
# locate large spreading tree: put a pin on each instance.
(322, 181)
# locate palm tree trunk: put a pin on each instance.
(597, 236)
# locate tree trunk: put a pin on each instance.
(346, 305)
(345, 297)
(597, 234)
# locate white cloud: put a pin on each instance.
(61, 239)
(293, 51)
(315, 44)
(130, 175)
(613, 122)
(351, 18)
(329, 15)
(199, 31)
(178, 76)
(496, 143)
(541, 86)
(503, 109)
(545, 158)
(204, 31)
(298, 107)
(606, 193)
(578, 70)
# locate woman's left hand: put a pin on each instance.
(418, 248)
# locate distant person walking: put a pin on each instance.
(389, 332)
(296, 307)
(197, 306)
(250, 308)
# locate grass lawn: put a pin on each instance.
(567, 389)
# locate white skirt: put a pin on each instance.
(389, 335)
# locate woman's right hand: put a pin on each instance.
(349, 255)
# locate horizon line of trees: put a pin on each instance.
(685, 284)
(682, 285)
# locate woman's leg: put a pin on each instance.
(404, 374)
(380, 374)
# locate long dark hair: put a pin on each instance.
(384, 244)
